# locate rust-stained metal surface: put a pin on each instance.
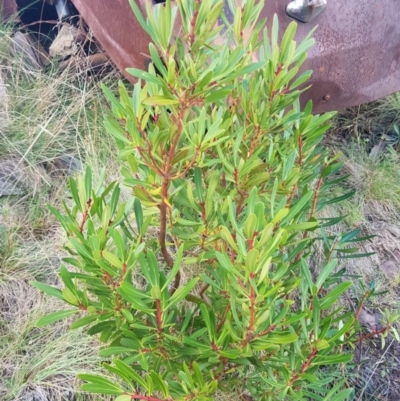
(356, 58)
(116, 28)
(9, 9)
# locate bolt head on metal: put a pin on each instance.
(305, 10)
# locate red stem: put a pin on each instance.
(188, 167)
(305, 366)
(204, 234)
(123, 272)
(152, 165)
(193, 23)
(159, 318)
(300, 144)
(252, 308)
(270, 328)
(225, 314)
(164, 196)
(203, 289)
(85, 215)
(250, 337)
(144, 397)
(313, 208)
(374, 333)
(309, 360)
(317, 189)
(361, 305)
(163, 223)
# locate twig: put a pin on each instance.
(374, 333)
(163, 223)
(164, 194)
(360, 306)
(193, 24)
(146, 398)
(225, 314)
(373, 372)
(85, 215)
(304, 367)
(159, 319)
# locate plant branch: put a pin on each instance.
(332, 250)
(360, 306)
(223, 318)
(263, 333)
(374, 333)
(85, 215)
(146, 398)
(253, 337)
(153, 165)
(159, 319)
(163, 223)
(300, 145)
(304, 367)
(204, 234)
(252, 321)
(316, 193)
(203, 289)
(188, 167)
(313, 208)
(193, 24)
(254, 141)
(164, 194)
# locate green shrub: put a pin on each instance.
(201, 280)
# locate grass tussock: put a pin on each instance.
(377, 184)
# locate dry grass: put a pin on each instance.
(54, 126)
(36, 364)
(375, 210)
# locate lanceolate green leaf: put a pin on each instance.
(83, 321)
(332, 359)
(54, 317)
(102, 389)
(280, 338)
(325, 273)
(130, 372)
(111, 258)
(138, 213)
(159, 101)
(181, 293)
(143, 75)
(54, 292)
(99, 385)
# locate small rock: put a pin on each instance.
(64, 44)
(24, 48)
(381, 146)
(4, 117)
(68, 163)
(394, 230)
(41, 393)
(12, 180)
(372, 322)
(392, 266)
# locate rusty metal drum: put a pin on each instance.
(356, 58)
